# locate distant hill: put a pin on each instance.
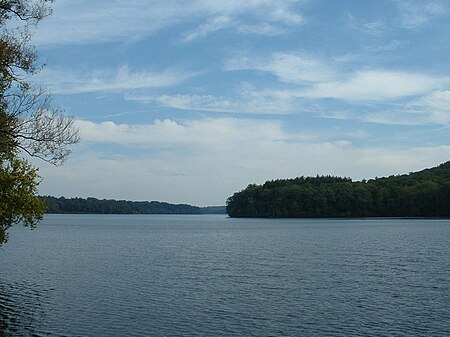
(97, 206)
(420, 194)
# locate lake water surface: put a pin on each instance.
(209, 275)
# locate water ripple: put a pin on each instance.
(212, 276)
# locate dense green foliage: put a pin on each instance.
(420, 194)
(213, 210)
(18, 195)
(96, 206)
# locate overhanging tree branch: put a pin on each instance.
(29, 124)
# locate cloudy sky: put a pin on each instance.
(190, 101)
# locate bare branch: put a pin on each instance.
(37, 128)
(25, 10)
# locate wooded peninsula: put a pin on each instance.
(419, 194)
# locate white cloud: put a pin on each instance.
(376, 85)
(123, 78)
(123, 134)
(185, 133)
(436, 106)
(438, 100)
(429, 109)
(210, 159)
(393, 97)
(288, 67)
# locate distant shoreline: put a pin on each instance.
(90, 205)
(272, 218)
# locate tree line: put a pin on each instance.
(420, 194)
(103, 206)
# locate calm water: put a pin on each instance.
(89, 275)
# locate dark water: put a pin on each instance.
(85, 275)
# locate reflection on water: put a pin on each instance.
(21, 305)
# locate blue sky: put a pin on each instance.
(190, 101)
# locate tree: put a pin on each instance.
(19, 202)
(423, 193)
(29, 124)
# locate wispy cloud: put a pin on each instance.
(120, 79)
(286, 16)
(271, 19)
(266, 29)
(305, 83)
(375, 27)
(376, 85)
(430, 109)
(249, 101)
(313, 78)
(417, 13)
(81, 21)
(199, 102)
(436, 106)
(211, 26)
(288, 67)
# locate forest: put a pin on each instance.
(419, 194)
(97, 206)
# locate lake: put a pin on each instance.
(209, 275)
